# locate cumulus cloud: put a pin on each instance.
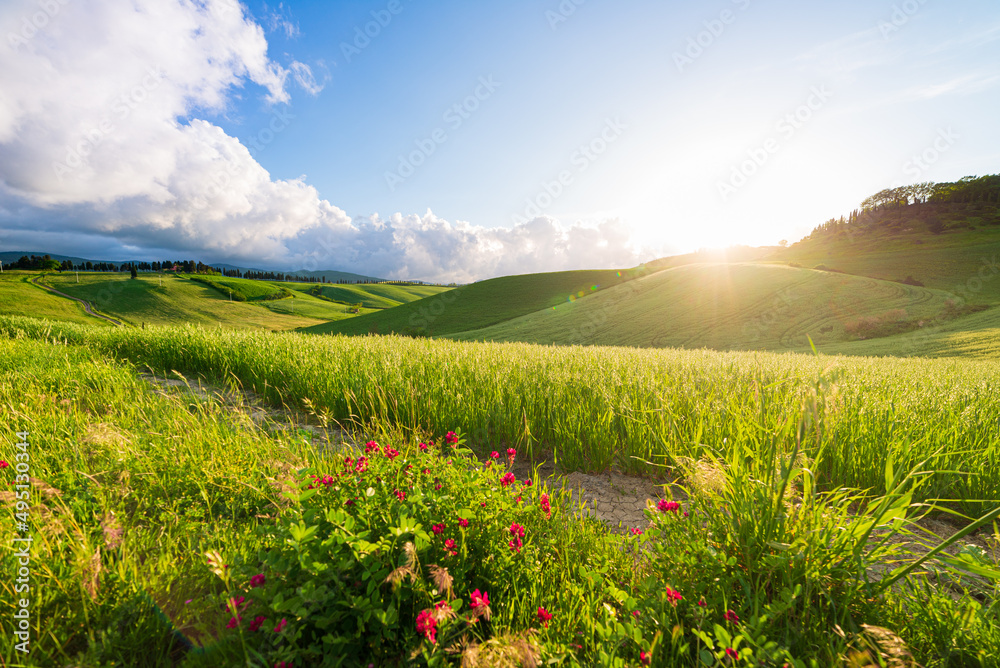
(103, 135)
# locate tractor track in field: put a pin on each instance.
(86, 305)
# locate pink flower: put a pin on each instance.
(526, 482)
(257, 580)
(515, 545)
(423, 447)
(362, 465)
(4, 463)
(494, 455)
(234, 622)
(701, 603)
(479, 599)
(668, 506)
(511, 453)
(425, 471)
(451, 438)
(283, 664)
(281, 625)
(508, 479)
(731, 616)
(371, 446)
(390, 452)
(449, 545)
(462, 522)
(400, 495)
(438, 529)
(645, 658)
(234, 604)
(636, 531)
(635, 613)
(427, 625)
(438, 486)
(544, 616)
(732, 653)
(673, 596)
(257, 622)
(517, 530)
(545, 505)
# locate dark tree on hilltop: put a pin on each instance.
(133, 272)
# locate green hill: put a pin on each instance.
(730, 306)
(19, 297)
(369, 295)
(170, 300)
(479, 305)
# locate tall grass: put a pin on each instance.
(593, 408)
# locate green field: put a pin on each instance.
(19, 297)
(726, 306)
(242, 289)
(479, 304)
(369, 295)
(961, 261)
(152, 508)
(167, 300)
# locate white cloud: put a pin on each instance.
(92, 147)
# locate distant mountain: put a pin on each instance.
(8, 257)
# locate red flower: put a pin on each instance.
(3, 464)
(544, 616)
(731, 616)
(495, 455)
(635, 613)
(371, 446)
(400, 495)
(511, 453)
(234, 622)
(449, 544)
(732, 653)
(508, 479)
(479, 599)
(673, 596)
(701, 603)
(281, 625)
(438, 529)
(438, 486)
(423, 447)
(517, 530)
(283, 664)
(636, 531)
(526, 482)
(257, 580)
(645, 658)
(545, 505)
(668, 506)
(427, 625)
(462, 522)
(451, 438)
(257, 622)
(425, 471)
(390, 452)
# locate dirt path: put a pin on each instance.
(86, 305)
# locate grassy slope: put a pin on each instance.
(724, 306)
(957, 261)
(250, 290)
(373, 296)
(19, 297)
(478, 305)
(178, 300)
(976, 336)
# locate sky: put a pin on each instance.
(457, 141)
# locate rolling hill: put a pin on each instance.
(729, 306)
(369, 295)
(19, 297)
(479, 305)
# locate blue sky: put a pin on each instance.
(708, 124)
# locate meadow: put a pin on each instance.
(728, 306)
(173, 528)
(480, 304)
